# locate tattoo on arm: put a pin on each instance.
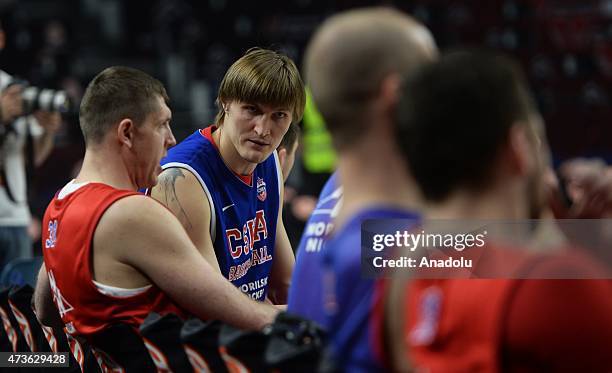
(167, 181)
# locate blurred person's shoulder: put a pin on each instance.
(569, 263)
(561, 317)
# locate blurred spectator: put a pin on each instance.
(26, 141)
(287, 149)
(317, 161)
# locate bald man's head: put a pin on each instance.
(349, 57)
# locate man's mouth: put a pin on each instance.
(259, 142)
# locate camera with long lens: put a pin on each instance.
(35, 98)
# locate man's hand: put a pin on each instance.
(11, 103)
(589, 187)
(50, 121)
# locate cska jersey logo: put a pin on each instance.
(261, 189)
(253, 231)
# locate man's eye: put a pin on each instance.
(281, 115)
(251, 109)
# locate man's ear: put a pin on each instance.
(125, 132)
(390, 91)
(520, 154)
(385, 103)
(282, 156)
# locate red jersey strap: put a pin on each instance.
(207, 133)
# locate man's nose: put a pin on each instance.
(171, 141)
(262, 126)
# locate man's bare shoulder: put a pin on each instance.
(138, 223)
(175, 184)
(132, 213)
(182, 192)
(174, 177)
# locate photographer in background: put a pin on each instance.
(25, 142)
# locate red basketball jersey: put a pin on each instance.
(492, 325)
(68, 230)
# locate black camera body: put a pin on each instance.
(35, 98)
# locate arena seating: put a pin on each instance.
(164, 343)
(162, 337)
(21, 271)
(200, 341)
(121, 347)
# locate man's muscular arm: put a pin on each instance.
(143, 235)
(284, 261)
(45, 309)
(180, 191)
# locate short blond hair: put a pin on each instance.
(266, 77)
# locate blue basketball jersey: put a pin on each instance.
(349, 296)
(243, 217)
(306, 291)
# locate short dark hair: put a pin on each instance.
(291, 137)
(263, 76)
(116, 93)
(454, 116)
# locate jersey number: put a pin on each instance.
(52, 228)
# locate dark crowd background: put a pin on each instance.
(564, 46)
